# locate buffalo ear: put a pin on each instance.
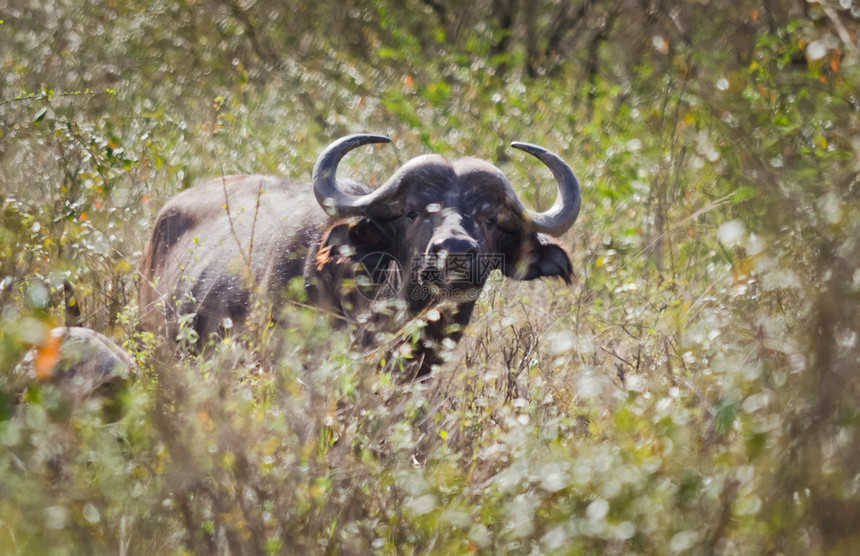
(537, 256)
(349, 249)
(367, 236)
(352, 239)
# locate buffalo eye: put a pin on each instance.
(491, 223)
(411, 215)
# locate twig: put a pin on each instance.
(613, 354)
(254, 225)
(230, 218)
(50, 94)
(840, 28)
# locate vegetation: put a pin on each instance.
(693, 391)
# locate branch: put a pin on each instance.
(246, 260)
(563, 22)
(48, 94)
(840, 28)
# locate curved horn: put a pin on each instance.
(329, 195)
(562, 214)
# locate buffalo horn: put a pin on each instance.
(562, 214)
(329, 194)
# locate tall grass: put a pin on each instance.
(693, 390)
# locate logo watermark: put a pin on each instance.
(439, 276)
(378, 277)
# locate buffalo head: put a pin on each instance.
(440, 227)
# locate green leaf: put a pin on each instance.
(40, 116)
(743, 193)
(725, 417)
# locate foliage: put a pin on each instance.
(692, 392)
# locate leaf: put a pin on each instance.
(40, 116)
(835, 59)
(742, 194)
(47, 357)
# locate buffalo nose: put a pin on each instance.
(451, 260)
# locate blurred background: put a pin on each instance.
(693, 391)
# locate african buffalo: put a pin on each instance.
(425, 241)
